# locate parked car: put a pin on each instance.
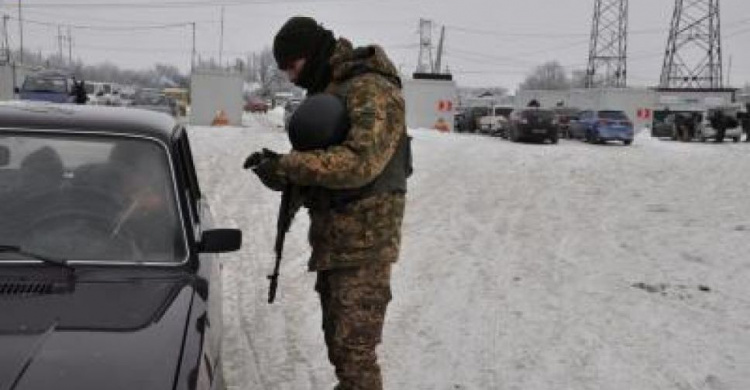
(730, 117)
(602, 126)
(181, 97)
(563, 118)
(48, 86)
(289, 109)
(532, 124)
(468, 121)
(153, 100)
(458, 119)
(256, 105)
(495, 122)
(103, 94)
(106, 253)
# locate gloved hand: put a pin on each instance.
(265, 165)
(256, 158)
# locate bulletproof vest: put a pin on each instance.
(393, 177)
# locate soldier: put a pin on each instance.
(718, 123)
(357, 200)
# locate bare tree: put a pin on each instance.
(548, 76)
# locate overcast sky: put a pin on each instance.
(488, 42)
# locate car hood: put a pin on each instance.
(104, 334)
(53, 97)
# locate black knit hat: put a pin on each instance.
(297, 38)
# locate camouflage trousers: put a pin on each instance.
(354, 302)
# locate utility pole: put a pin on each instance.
(192, 56)
(729, 72)
(6, 46)
(20, 31)
(221, 39)
(70, 46)
(60, 43)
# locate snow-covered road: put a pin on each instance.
(529, 267)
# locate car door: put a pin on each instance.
(578, 126)
(202, 350)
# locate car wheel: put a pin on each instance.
(736, 139)
(628, 142)
(554, 139)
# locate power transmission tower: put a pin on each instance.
(425, 64)
(609, 45)
(693, 55)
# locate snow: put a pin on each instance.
(524, 266)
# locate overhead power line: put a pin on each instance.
(183, 4)
(104, 28)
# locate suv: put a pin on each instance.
(602, 126)
(106, 253)
(729, 115)
(468, 120)
(49, 86)
(495, 122)
(533, 124)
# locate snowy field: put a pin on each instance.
(524, 266)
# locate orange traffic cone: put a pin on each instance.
(220, 119)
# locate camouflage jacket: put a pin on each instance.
(368, 229)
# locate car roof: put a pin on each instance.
(51, 74)
(85, 119)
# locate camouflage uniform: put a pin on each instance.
(354, 243)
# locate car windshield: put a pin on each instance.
(541, 114)
(503, 111)
(45, 84)
(614, 115)
(87, 198)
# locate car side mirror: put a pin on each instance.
(220, 241)
(4, 155)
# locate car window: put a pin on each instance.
(540, 114)
(503, 111)
(90, 198)
(45, 84)
(615, 115)
(151, 99)
(189, 178)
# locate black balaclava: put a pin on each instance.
(303, 37)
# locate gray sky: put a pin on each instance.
(488, 42)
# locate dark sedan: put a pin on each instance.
(154, 101)
(107, 273)
(533, 124)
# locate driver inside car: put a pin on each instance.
(146, 214)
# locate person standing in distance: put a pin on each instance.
(355, 191)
